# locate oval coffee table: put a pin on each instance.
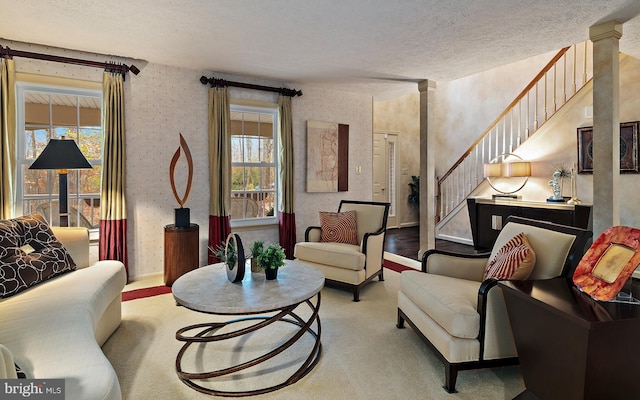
(208, 290)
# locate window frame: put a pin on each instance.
(21, 160)
(272, 110)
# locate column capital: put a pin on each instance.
(426, 84)
(605, 30)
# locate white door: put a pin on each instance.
(384, 173)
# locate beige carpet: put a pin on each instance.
(364, 355)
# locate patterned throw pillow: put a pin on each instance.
(20, 270)
(514, 261)
(339, 227)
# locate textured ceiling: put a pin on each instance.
(367, 46)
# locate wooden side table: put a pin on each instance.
(181, 251)
(571, 346)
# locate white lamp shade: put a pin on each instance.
(517, 169)
(493, 170)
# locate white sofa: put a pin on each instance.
(54, 330)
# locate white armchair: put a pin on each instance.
(347, 264)
(462, 318)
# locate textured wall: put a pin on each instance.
(346, 108)
(554, 144)
(163, 101)
(401, 115)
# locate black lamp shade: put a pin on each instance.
(61, 154)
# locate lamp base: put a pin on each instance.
(506, 196)
(182, 217)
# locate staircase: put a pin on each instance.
(561, 79)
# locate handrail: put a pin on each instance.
(511, 105)
(519, 120)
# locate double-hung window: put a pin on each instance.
(254, 165)
(46, 112)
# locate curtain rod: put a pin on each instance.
(221, 82)
(6, 52)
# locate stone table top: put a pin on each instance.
(207, 289)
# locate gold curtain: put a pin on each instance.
(113, 207)
(7, 137)
(286, 214)
(219, 167)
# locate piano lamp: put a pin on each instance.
(61, 154)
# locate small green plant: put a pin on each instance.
(257, 248)
(272, 257)
(227, 256)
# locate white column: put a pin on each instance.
(606, 125)
(427, 166)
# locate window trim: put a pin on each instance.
(261, 108)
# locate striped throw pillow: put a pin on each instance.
(514, 261)
(338, 227)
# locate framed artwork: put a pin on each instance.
(628, 148)
(327, 157)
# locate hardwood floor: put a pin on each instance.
(406, 242)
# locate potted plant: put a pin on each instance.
(414, 185)
(256, 249)
(271, 259)
(227, 256)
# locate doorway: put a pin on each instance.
(384, 172)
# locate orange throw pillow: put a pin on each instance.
(339, 227)
(514, 261)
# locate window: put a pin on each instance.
(254, 174)
(46, 112)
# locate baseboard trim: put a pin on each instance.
(455, 239)
(407, 262)
(409, 224)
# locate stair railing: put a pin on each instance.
(554, 85)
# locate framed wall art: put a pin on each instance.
(327, 157)
(628, 148)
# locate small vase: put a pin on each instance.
(271, 273)
(254, 266)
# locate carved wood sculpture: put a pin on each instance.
(183, 144)
(182, 214)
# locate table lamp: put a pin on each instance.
(61, 154)
(497, 168)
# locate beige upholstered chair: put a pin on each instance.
(464, 320)
(347, 264)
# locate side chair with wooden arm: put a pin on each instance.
(462, 318)
(350, 265)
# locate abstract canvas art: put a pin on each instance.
(327, 156)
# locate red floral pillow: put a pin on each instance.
(514, 261)
(339, 227)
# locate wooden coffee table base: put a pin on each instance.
(205, 334)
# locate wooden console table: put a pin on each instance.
(487, 216)
(181, 251)
(571, 346)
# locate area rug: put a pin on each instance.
(145, 292)
(398, 266)
(364, 355)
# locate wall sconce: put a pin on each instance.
(61, 154)
(498, 168)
